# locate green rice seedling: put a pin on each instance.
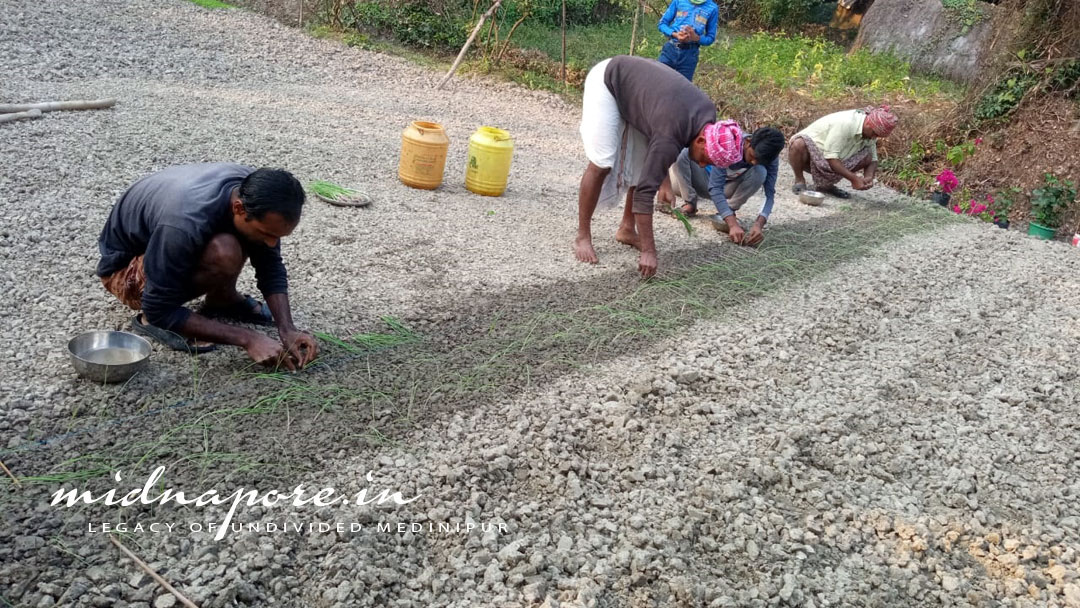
(330, 190)
(64, 476)
(367, 342)
(63, 548)
(679, 215)
(332, 339)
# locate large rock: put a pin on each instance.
(932, 38)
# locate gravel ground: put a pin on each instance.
(897, 429)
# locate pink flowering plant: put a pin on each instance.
(973, 208)
(947, 180)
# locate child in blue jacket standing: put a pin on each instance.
(688, 24)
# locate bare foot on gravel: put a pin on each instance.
(628, 237)
(584, 251)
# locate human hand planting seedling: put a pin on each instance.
(267, 351)
(756, 235)
(647, 264)
(859, 183)
(736, 234)
(301, 346)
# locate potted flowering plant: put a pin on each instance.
(974, 208)
(1048, 206)
(1003, 204)
(948, 182)
(995, 210)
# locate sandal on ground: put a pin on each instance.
(799, 188)
(168, 338)
(834, 191)
(247, 310)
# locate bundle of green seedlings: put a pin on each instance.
(679, 215)
(332, 191)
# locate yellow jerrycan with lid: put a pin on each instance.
(423, 155)
(488, 168)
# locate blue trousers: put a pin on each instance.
(683, 61)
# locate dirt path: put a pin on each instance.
(875, 408)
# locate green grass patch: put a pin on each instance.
(747, 69)
(818, 67)
(215, 4)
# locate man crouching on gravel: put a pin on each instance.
(187, 231)
(838, 146)
(637, 115)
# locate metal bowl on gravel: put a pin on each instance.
(347, 200)
(812, 198)
(108, 356)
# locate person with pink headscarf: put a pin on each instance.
(840, 146)
(637, 115)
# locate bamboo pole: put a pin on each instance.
(465, 47)
(56, 106)
(157, 577)
(633, 32)
(12, 116)
(564, 43)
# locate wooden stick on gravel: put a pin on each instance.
(13, 478)
(465, 48)
(56, 106)
(164, 583)
(20, 115)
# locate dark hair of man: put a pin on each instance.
(272, 191)
(767, 143)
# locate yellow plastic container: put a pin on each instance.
(488, 168)
(423, 155)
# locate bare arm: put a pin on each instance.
(279, 307)
(647, 261)
(209, 330)
(870, 172)
(296, 349)
(839, 168)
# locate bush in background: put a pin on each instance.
(445, 25)
(775, 13)
(412, 22)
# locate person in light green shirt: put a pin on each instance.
(840, 146)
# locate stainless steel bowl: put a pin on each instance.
(108, 356)
(812, 198)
